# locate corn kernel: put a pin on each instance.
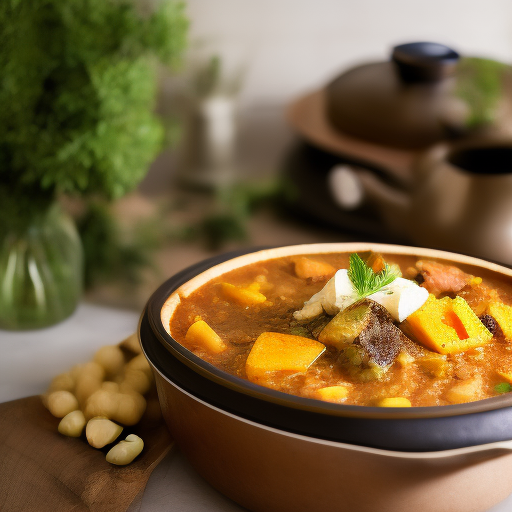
(398, 401)
(334, 394)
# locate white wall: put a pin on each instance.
(295, 45)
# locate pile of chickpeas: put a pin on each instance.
(104, 396)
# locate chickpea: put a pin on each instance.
(60, 403)
(111, 358)
(72, 424)
(139, 363)
(101, 403)
(108, 385)
(125, 451)
(130, 408)
(76, 371)
(102, 431)
(62, 382)
(89, 381)
(131, 344)
(135, 380)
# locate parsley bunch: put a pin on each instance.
(77, 94)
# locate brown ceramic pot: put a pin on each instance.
(269, 451)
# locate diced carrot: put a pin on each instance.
(245, 296)
(273, 352)
(202, 335)
(306, 268)
(453, 321)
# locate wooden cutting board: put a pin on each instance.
(42, 470)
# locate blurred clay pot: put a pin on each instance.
(459, 200)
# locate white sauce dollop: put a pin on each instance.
(401, 298)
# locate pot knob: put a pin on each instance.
(424, 61)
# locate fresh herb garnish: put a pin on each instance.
(365, 280)
(503, 387)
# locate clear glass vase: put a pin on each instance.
(41, 270)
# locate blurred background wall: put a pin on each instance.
(288, 47)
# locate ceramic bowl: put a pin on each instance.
(270, 451)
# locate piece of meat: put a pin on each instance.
(381, 339)
(440, 278)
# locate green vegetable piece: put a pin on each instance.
(503, 387)
(365, 280)
(346, 326)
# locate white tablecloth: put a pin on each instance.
(28, 361)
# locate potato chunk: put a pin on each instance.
(202, 335)
(273, 352)
(448, 326)
(245, 296)
(306, 268)
(465, 391)
(334, 394)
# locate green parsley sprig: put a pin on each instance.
(365, 280)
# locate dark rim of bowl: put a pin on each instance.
(211, 372)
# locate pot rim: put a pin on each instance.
(164, 301)
(429, 455)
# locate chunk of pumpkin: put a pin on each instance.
(306, 268)
(202, 335)
(273, 352)
(503, 315)
(333, 394)
(397, 401)
(448, 326)
(247, 296)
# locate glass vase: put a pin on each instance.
(41, 270)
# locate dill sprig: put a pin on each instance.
(365, 280)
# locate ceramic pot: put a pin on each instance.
(270, 451)
(459, 199)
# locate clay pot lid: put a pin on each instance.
(307, 117)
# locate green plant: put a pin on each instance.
(481, 86)
(77, 93)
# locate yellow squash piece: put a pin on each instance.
(245, 296)
(274, 352)
(507, 376)
(202, 335)
(434, 364)
(448, 326)
(397, 401)
(306, 268)
(334, 394)
(503, 315)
